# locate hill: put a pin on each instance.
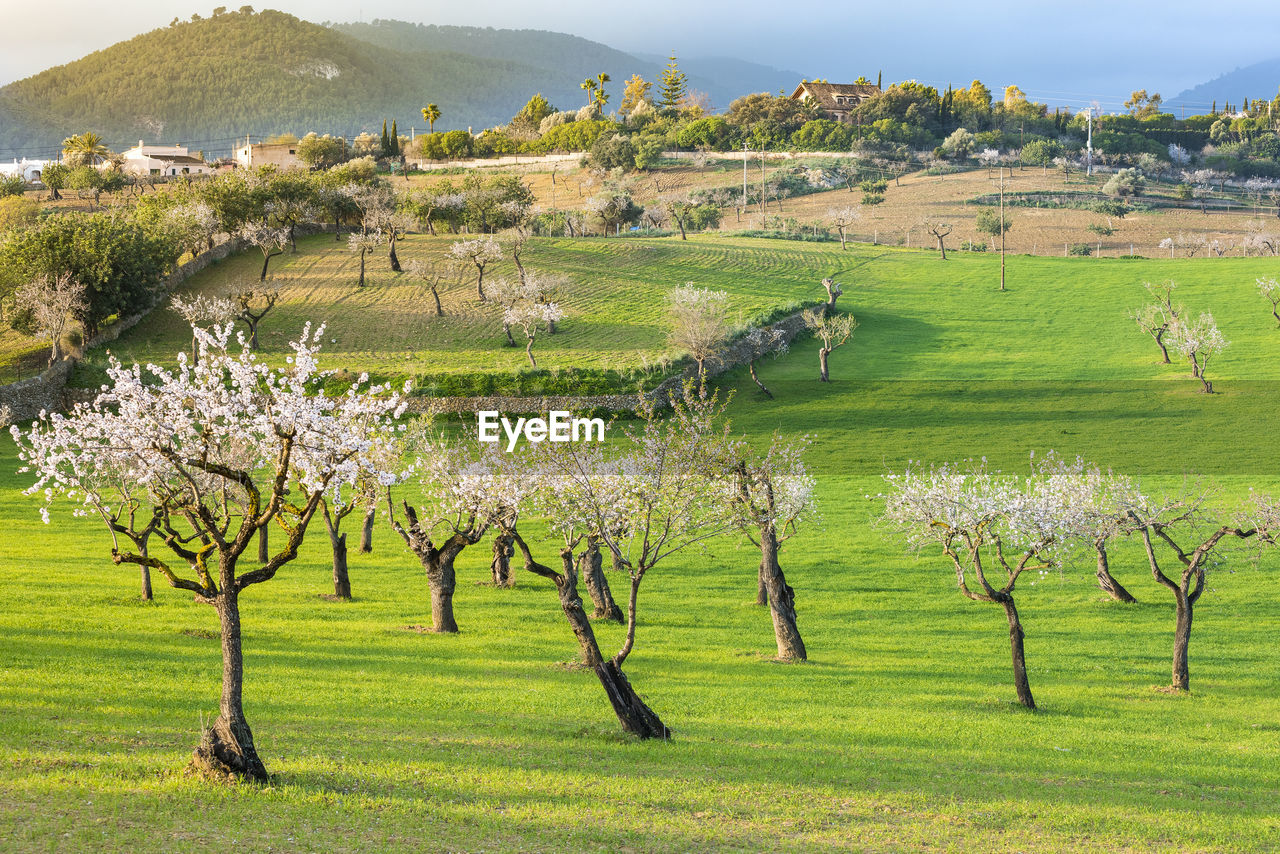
(208, 81)
(723, 78)
(1260, 80)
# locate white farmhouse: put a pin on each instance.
(29, 170)
(165, 160)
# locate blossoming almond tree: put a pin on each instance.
(771, 493)
(464, 490)
(53, 302)
(200, 312)
(1156, 318)
(651, 500)
(988, 522)
(215, 453)
(532, 317)
(1174, 521)
(1199, 341)
(1269, 288)
(480, 251)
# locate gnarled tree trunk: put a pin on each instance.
(823, 373)
(1182, 643)
(341, 580)
(366, 532)
(440, 576)
(591, 568)
(633, 713)
(264, 553)
(1016, 636)
(1106, 581)
(500, 566)
(227, 745)
(781, 600)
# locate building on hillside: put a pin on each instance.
(165, 160)
(282, 154)
(28, 170)
(837, 100)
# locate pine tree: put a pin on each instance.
(674, 85)
(395, 140)
(386, 140)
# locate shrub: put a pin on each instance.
(613, 152)
(12, 185)
(1100, 229)
(713, 132)
(1080, 249)
(1126, 182)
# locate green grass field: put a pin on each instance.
(902, 731)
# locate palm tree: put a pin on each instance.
(431, 112)
(84, 149)
(600, 97)
(589, 86)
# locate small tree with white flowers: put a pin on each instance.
(993, 528)
(479, 251)
(215, 453)
(1269, 288)
(1199, 341)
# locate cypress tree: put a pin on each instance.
(386, 140)
(395, 139)
(1214, 110)
(879, 77)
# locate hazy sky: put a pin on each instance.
(1060, 52)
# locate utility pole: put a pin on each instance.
(1088, 159)
(1003, 229)
(744, 175)
(764, 199)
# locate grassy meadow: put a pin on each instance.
(901, 732)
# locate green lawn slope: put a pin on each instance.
(902, 732)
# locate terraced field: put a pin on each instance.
(616, 302)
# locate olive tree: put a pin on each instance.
(216, 452)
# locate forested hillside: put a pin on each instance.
(206, 81)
